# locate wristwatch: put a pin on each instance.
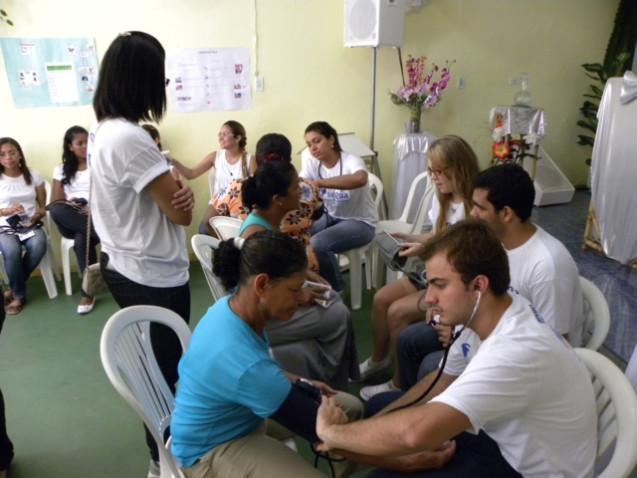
(304, 380)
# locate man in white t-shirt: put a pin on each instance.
(542, 269)
(511, 380)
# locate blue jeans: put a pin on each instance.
(19, 266)
(414, 343)
(331, 236)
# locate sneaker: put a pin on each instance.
(153, 469)
(371, 390)
(367, 368)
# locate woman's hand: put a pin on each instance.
(310, 294)
(183, 198)
(13, 208)
(410, 249)
(314, 277)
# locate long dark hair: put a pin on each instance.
(273, 147)
(325, 129)
(132, 80)
(264, 252)
(70, 162)
(269, 180)
(238, 130)
(22, 162)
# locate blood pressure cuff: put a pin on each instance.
(298, 412)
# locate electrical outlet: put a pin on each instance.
(259, 83)
(462, 82)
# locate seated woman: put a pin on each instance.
(296, 223)
(69, 209)
(452, 167)
(229, 384)
(230, 162)
(154, 133)
(351, 216)
(22, 198)
(330, 352)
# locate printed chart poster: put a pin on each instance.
(50, 71)
(208, 79)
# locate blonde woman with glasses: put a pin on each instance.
(452, 166)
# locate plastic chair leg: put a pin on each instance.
(46, 269)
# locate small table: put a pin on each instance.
(410, 159)
(527, 123)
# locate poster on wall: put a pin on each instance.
(50, 71)
(208, 79)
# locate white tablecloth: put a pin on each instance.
(410, 159)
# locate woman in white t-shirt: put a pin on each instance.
(229, 163)
(137, 207)
(452, 166)
(69, 209)
(22, 198)
(350, 216)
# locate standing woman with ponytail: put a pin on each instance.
(138, 208)
(69, 209)
(324, 335)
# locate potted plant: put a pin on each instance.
(422, 90)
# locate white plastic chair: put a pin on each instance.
(204, 247)
(47, 264)
(130, 364)
(596, 315)
(355, 258)
(421, 183)
(66, 245)
(616, 413)
(225, 227)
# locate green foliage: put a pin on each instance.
(618, 59)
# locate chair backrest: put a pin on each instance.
(225, 227)
(416, 186)
(47, 200)
(376, 188)
(129, 362)
(596, 315)
(204, 247)
(616, 413)
(421, 217)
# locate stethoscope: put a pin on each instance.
(444, 359)
(340, 163)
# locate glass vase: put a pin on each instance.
(413, 125)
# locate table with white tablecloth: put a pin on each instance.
(410, 159)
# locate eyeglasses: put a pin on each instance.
(435, 172)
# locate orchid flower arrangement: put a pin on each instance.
(423, 89)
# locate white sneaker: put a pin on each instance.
(153, 469)
(367, 368)
(371, 390)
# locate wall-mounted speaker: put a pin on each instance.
(373, 23)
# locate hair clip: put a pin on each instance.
(238, 242)
(124, 34)
(272, 157)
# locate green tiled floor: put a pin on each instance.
(64, 418)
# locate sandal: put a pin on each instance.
(8, 296)
(15, 307)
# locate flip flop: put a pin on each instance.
(15, 307)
